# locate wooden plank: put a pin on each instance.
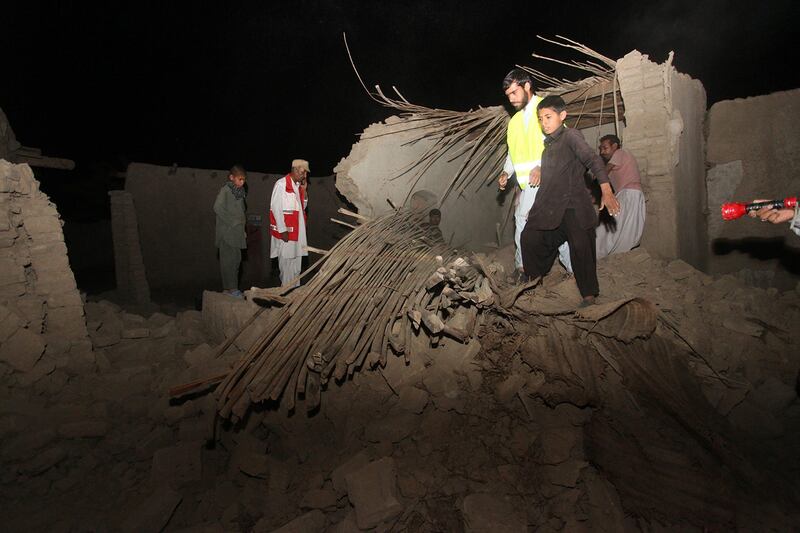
(43, 161)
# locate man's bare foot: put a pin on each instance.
(587, 301)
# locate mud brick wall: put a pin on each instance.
(381, 166)
(174, 208)
(664, 115)
(128, 264)
(40, 306)
(754, 152)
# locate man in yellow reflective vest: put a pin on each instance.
(525, 145)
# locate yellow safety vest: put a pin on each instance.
(525, 144)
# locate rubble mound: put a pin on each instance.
(672, 403)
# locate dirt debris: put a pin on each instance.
(545, 421)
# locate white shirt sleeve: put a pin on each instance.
(508, 167)
(794, 224)
(276, 205)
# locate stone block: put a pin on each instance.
(48, 249)
(7, 239)
(163, 330)
(84, 429)
(52, 262)
(42, 225)
(177, 465)
(373, 492)
(223, 315)
(45, 238)
(319, 499)
(135, 333)
(56, 282)
(22, 187)
(679, 269)
(10, 271)
(9, 323)
(339, 474)
(42, 368)
(486, 513)
(507, 390)
(81, 359)
(12, 291)
(22, 350)
(103, 340)
(413, 399)
(31, 309)
(56, 345)
(199, 356)
(153, 515)
(347, 525)
(557, 444)
(394, 427)
(64, 299)
(312, 521)
(5, 220)
(67, 321)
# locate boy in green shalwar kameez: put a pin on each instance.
(230, 236)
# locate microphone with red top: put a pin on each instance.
(734, 210)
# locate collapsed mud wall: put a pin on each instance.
(381, 166)
(664, 114)
(754, 152)
(8, 141)
(174, 207)
(40, 306)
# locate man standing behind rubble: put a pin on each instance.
(287, 222)
(525, 144)
(625, 231)
(230, 236)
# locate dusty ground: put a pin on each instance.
(544, 422)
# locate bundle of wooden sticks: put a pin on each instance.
(387, 280)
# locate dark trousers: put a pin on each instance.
(540, 248)
(230, 258)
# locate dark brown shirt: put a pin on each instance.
(565, 159)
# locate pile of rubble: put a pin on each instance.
(671, 403)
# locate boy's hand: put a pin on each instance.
(535, 177)
(608, 200)
(502, 181)
(285, 236)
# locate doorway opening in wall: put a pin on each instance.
(81, 198)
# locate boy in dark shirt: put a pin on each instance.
(563, 209)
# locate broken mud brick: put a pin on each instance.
(373, 492)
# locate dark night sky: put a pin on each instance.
(263, 82)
